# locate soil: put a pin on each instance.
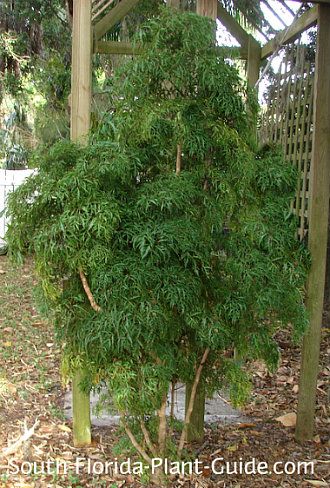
(31, 394)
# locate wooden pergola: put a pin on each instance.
(92, 19)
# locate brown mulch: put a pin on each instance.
(31, 391)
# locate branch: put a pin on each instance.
(14, 447)
(192, 401)
(147, 438)
(135, 443)
(206, 183)
(172, 400)
(88, 292)
(173, 384)
(178, 159)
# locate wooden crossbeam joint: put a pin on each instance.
(235, 29)
(306, 20)
(115, 15)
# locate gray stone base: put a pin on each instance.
(3, 247)
(217, 409)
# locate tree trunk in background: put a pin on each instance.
(69, 11)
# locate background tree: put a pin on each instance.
(35, 60)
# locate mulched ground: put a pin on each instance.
(31, 391)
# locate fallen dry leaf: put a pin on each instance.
(317, 483)
(288, 420)
(245, 425)
(7, 388)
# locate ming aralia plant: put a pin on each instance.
(167, 242)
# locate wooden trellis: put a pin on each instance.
(288, 121)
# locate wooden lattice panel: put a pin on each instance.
(288, 121)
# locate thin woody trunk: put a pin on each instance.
(147, 439)
(136, 444)
(178, 159)
(172, 406)
(192, 401)
(172, 400)
(162, 426)
(195, 428)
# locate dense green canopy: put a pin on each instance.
(182, 228)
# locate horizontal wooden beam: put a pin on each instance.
(113, 47)
(235, 29)
(113, 17)
(232, 51)
(285, 36)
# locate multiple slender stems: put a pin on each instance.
(136, 444)
(192, 401)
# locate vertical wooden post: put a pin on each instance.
(81, 78)
(80, 126)
(253, 61)
(174, 3)
(318, 229)
(252, 74)
(82, 432)
(206, 8)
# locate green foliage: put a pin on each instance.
(140, 14)
(177, 262)
(53, 81)
(29, 29)
(51, 124)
